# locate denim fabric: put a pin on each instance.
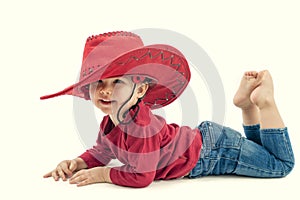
(253, 133)
(264, 153)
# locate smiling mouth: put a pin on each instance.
(106, 102)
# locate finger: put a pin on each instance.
(61, 174)
(74, 177)
(49, 174)
(83, 183)
(77, 179)
(55, 175)
(65, 169)
(72, 166)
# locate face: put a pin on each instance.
(110, 94)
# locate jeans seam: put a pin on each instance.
(262, 170)
(287, 146)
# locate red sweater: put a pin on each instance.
(149, 148)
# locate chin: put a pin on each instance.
(106, 112)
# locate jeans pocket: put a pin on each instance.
(229, 139)
(210, 166)
(204, 167)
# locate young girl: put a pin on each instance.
(126, 80)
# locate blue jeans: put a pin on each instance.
(264, 153)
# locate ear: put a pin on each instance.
(142, 89)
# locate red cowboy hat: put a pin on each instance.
(121, 53)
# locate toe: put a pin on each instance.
(251, 74)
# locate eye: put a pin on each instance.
(118, 81)
(96, 83)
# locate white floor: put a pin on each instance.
(211, 187)
(227, 187)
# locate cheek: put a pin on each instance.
(121, 92)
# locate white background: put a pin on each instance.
(41, 48)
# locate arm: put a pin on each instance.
(93, 162)
(81, 164)
(98, 155)
(90, 176)
(94, 157)
(140, 162)
(139, 169)
(131, 179)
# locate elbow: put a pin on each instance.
(134, 180)
(143, 180)
(144, 183)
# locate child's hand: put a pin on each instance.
(63, 170)
(90, 176)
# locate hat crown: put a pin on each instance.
(101, 49)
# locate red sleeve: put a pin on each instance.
(90, 160)
(120, 176)
(140, 163)
(98, 155)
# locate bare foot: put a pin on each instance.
(248, 84)
(263, 94)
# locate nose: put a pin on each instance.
(105, 90)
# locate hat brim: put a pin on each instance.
(163, 63)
